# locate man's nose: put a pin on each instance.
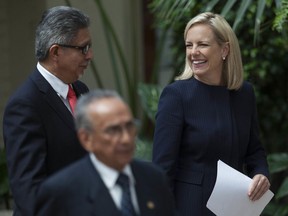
(89, 54)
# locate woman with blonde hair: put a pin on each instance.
(208, 114)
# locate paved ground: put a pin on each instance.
(5, 213)
(4, 210)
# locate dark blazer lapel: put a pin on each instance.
(79, 88)
(144, 197)
(52, 98)
(99, 196)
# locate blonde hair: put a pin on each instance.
(233, 68)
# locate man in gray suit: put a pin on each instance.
(89, 186)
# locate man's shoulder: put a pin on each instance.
(146, 168)
(72, 175)
(79, 166)
(25, 91)
(80, 87)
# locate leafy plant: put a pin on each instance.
(278, 163)
(281, 16)
(143, 149)
(149, 95)
(169, 13)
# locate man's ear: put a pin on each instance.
(85, 139)
(54, 51)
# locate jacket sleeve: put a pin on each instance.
(50, 201)
(168, 131)
(255, 159)
(25, 146)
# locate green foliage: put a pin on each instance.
(283, 190)
(143, 149)
(274, 210)
(278, 164)
(281, 16)
(169, 14)
(149, 95)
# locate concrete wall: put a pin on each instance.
(18, 20)
(17, 26)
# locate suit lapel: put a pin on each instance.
(53, 100)
(99, 196)
(77, 89)
(145, 199)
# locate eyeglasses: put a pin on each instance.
(84, 49)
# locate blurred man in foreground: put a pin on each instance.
(108, 182)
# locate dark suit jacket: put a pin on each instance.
(198, 124)
(39, 137)
(79, 190)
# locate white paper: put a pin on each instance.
(229, 196)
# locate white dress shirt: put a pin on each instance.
(58, 85)
(109, 177)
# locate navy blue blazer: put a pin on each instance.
(79, 190)
(39, 137)
(198, 124)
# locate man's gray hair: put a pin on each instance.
(81, 115)
(58, 25)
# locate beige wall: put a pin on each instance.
(19, 19)
(17, 24)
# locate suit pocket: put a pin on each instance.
(190, 177)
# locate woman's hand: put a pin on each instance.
(258, 187)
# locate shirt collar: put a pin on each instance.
(110, 175)
(58, 85)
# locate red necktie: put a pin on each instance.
(72, 99)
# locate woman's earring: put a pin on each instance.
(223, 58)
